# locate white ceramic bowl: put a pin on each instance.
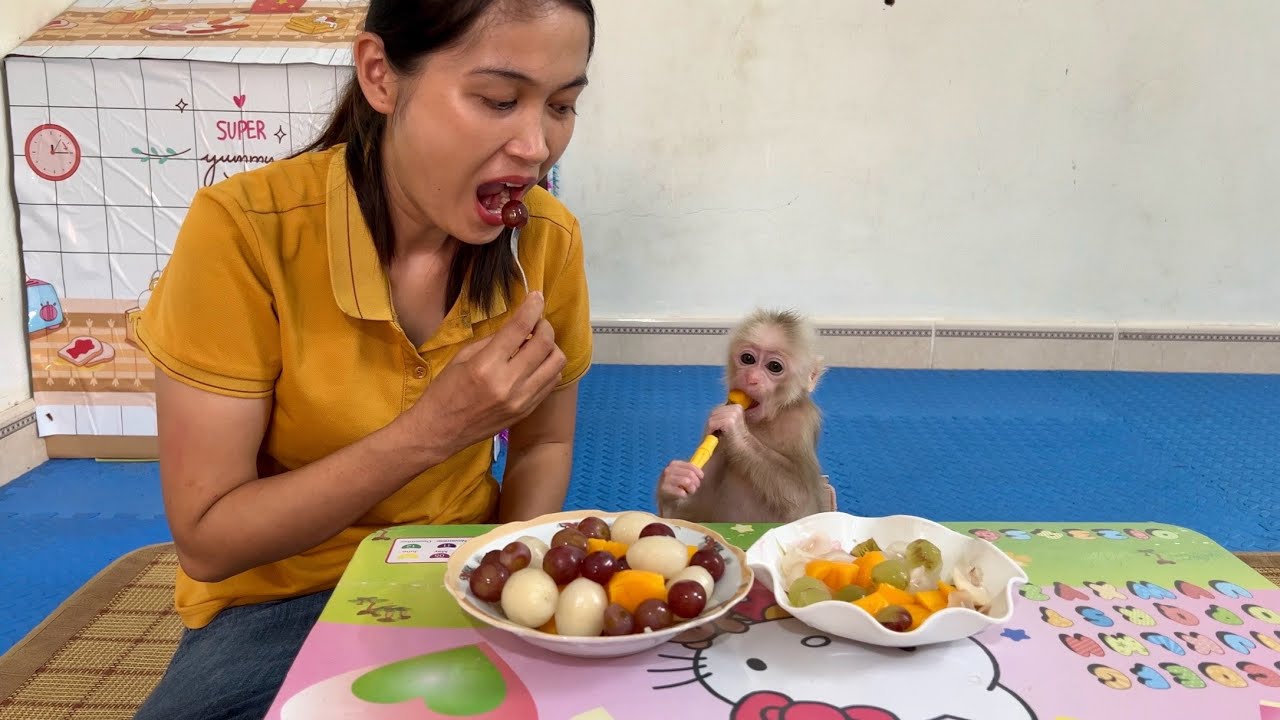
(732, 587)
(1001, 577)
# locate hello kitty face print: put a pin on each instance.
(774, 667)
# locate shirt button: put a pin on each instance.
(419, 372)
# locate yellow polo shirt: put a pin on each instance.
(274, 289)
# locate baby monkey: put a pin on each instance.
(765, 468)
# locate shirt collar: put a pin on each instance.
(359, 283)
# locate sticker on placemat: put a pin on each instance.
(423, 550)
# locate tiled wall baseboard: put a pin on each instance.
(1212, 349)
(20, 445)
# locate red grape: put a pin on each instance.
(710, 561)
(594, 527)
(657, 528)
(488, 580)
(490, 557)
(687, 598)
(562, 563)
(894, 617)
(515, 556)
(617, 621)
(569, 536)
(514, 214)
(622, 564)
(653, 614)
(599, 566)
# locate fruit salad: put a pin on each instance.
(900, 585)
(596, 579)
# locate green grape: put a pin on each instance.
(807, 590)
(811, 596)
(922, 553)
(891, 572)
(864, 547)
(802, 583)
(851, 592)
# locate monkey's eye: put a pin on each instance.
(747, 358)
(774, 367)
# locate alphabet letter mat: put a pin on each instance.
(1135, 620)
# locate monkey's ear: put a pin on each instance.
(816, 371)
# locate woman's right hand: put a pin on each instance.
(492, 383)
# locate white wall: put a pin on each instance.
(18, 19)
(968, 160)
(962, 160)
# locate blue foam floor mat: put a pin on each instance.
(1198, 451)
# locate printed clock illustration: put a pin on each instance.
(52, 152)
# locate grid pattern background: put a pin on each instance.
(150, 133)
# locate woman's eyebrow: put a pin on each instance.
(517, 76)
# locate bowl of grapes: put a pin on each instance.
(592, 584)
(898, 580)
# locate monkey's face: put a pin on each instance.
(764, 367)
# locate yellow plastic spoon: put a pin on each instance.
(709, 443)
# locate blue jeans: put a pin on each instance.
(232, 668)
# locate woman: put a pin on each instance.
(341, 333)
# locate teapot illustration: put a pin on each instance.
(132, 314)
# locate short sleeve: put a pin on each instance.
(568, 309)
(211, 322)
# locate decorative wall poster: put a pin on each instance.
(120, 111)
(288, 23)
(1130, 622)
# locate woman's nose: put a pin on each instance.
(530, 145)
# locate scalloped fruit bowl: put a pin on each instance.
(1001, 577)
(732, 587)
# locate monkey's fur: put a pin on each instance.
(765, 468)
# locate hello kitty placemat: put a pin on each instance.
(1136, 620)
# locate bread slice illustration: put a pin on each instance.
(85, 351)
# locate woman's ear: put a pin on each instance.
(374, 73)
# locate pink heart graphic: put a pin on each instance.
(238, 100)
(767, 705)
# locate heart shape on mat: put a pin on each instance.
(769, 705)
(461, 681)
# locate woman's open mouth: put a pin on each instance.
(491, 196)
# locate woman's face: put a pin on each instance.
(481, 123)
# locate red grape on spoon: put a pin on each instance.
(515, 214)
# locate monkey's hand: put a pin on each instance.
(729, 421)
(679, 480)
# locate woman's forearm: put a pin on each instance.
(536, 481)
(271, 518)
(540, 458)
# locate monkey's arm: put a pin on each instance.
(691, 508)
(540, 459)
(783, 473)
(750, 451)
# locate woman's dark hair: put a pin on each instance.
(411, 30)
